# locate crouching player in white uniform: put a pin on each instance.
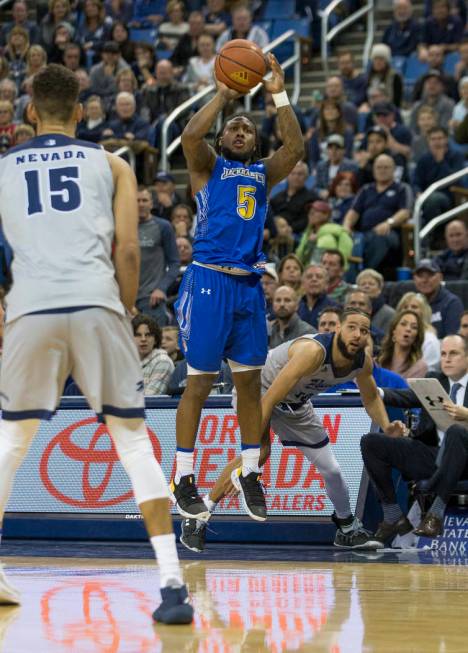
(62, 203)
(293, 373)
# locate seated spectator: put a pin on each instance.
(335, 162)
(440, 161)
(164, 195)
(96, 26)
(463, 331)
(144, 65)
(103, 75)
(453, 261)
(125, 81)
(398, 136)
(435, 60)
(72, 56)
(334, 90)
(434, 96)
(342, 191)
(243, 28)
(377, 211)
(269, 285)
(7, 127)
(170, 31)
(120, 11)
(21, 105)
(128, 125)
(382, 73)
(187, 47)
(321, 234)
(442, 27)
(461, 109)
(291, 202)
(170, 343)
(120, 35)
(402, 346)
(200, 69)
(314, 283)
(15, 53)
(19, 15)
(217, 19)
(59, 12)
(461, 67)
(160, 262)
(329, 320)
(414, 301)
(375, 144)
(287, 324)
(156, 365)
(354, 82)
(403, 34)
(145, 13)
(372, 283)
(182, 220)
(445, 306)
(335, 264)
(284, 242)
(85, 85)
(290, 272)
(185, 250)
(36, 59)
(23, 133)
(426, 119)
(94, 121)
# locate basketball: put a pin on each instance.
(240, 65)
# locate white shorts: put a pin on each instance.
(94, 345)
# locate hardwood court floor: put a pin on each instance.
(99, 606)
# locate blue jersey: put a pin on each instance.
(232, 207)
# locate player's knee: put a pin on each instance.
(248, 383)
(199, 386)
(130, 439)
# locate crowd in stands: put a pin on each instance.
(334, 235)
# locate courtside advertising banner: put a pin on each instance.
(72, 465)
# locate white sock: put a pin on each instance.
(184, 464)
(166, 554)
(211, 505)
(250, 458)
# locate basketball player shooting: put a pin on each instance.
(293, 373)
(62, 202)
(221, 307)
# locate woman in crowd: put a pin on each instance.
(171, 30)
(156, 365)
(36, 59)
(371, 282)
(382, 73)
(120, 35)
(402, 346)
(330, 121)
(290, 272)
(200, 69)
(144, 64)
(63, 36)
(95, 28)
(59, 12)
(127, 82)
(417, 302)
(342, 192)
(15, 53)
(94, 120)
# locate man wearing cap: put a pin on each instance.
(398, 136)
(287, 324)
(433, 95)
(102, 75)
(446, 307)
(435, 60)
(165, 197)
(375, 144)
(336, 162)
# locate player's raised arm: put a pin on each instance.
(127, 247)
(280, 164)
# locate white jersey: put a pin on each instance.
(311, 385)
(56, 197)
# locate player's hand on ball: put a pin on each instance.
(228, 93)
(276, 83)
(396, 429)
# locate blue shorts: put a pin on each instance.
(221, 316)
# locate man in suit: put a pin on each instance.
(416, 457)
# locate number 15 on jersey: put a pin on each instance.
(63, 190)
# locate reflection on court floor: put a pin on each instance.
(105, 607)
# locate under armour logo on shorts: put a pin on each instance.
(206, 290)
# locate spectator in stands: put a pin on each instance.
(434, 96)
(414, 301)
(330, 121)
(145, 13)
(144, 65)
(200, 68)
(85, 85)
(8, 90)
(216, 17)
(182, 220)
(372, 283)
(120, 11)
(165, 196)
(426, 119)
(329, 320)
(464, 325)
(461, 67)
(403, 34)
(283, 243)
(440, 161)
(15, 53)
(96, 26)
(290, 271)
(7, 127)
(314, 283)
(128, 125)
(156, 365)
(334, 90)
(184, 247)
(445, 306)
(103, 75)
(382, 73)
(243, 28)
(170, 343)
(94, 121)
(336, 162)
(59, 12)
(375, 144)
(20, 107)
(461, 109)
(19, 14)
(287, 324)
(170, 31)
(435, 60)
(398, 136)
(453, 261)
(36, 59)
(159, 260)
(321, 234)
(292, 201)
(63, 36)
(402, 346)
(377, 211)
(335, 264)
(72, 56)
(120, 35)
(269, 285)
(187, 46)
(343, 190)
(442, 27)
(354, 82)
(125, 80)
(23, 133)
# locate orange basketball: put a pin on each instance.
(240, 65)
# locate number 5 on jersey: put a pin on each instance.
(246, 202)
(64, 193)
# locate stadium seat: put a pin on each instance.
(146, 35)
(414, 69)
(450, 61)
(279, 9)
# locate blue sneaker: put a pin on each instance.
(175, 607)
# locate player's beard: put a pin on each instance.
(243, 157)
(343, 349)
